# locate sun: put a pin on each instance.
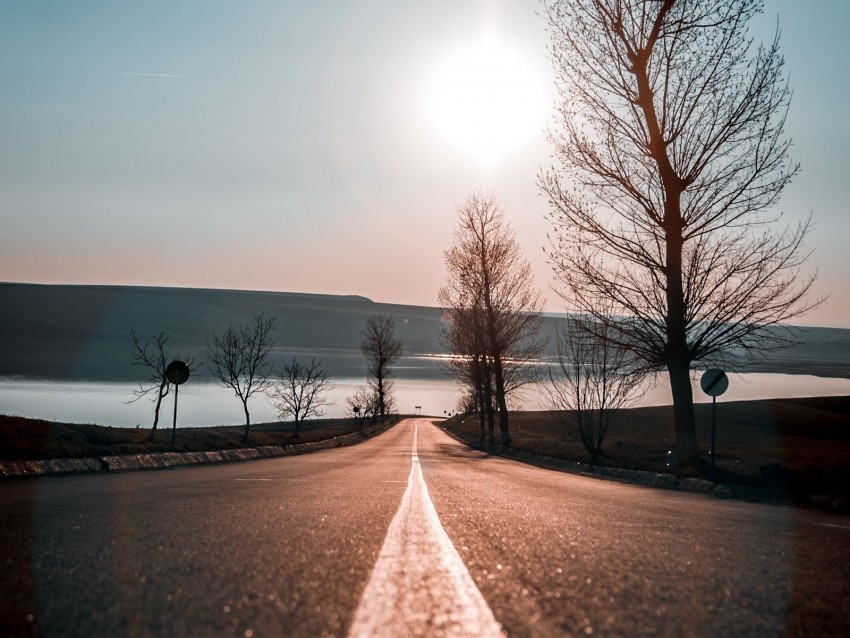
(487, 100)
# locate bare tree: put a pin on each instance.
(594, 378)
(672, 149)
(299, 391)
(239, 359)
(463, 336)
(362, 403)
(151, 355)
(365, 403)
(381, 349)
(493, 310)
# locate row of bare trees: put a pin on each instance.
(240, 359)
(492, 321)
(672, 153)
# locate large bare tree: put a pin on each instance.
(672, 151)
(151, 355)
(489, 300)
(239, 360)
(381, 349)
(299, 391)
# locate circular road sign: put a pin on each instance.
(714, 382)
(177, 372)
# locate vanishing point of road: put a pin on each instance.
(408, 534)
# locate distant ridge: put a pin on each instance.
(82, 332)
(314, 295)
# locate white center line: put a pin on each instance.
(419, 585)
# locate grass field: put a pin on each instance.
(799, 445)
(33, 439)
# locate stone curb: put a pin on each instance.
(637, 477)
(161, 460)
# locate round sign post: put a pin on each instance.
(714, 382)
(177, 373)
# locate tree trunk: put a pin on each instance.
(297, 427)
(676, 355)
(380, 380)
(678, 360)
(491, 425)
(488, 401)
(156, 411)
(247, 421)
(479, 403)
(684, 423)
(500, 400)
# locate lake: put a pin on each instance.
(203, 403)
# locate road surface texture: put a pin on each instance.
(409, 533)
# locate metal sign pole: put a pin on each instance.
(713, 427)
(177, 372)
(714, 382)
(174, 425)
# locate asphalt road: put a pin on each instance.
(287, 547)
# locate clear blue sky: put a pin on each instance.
(293, 145)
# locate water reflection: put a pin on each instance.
(208, 404)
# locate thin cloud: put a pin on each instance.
(148, 75)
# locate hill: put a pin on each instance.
(83, 332)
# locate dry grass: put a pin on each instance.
(802, 445)
(25, 439)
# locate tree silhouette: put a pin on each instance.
(593, 379)
(489, 301)
(672, 151)
(299, 389)
(151, 355)
(364, 403)
(239, 359)
(381, 349)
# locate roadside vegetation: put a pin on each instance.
(797, 447)
(670, 156)
(239, 359)
(381, 350)
(35, 439)
(492, 314)
(151, 355)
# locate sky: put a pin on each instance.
(324, 146)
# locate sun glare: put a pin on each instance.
(486, 100)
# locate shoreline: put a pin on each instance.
(205, 403)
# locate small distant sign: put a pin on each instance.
(714, 382)
(177, 372)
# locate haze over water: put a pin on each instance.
(205, 404)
